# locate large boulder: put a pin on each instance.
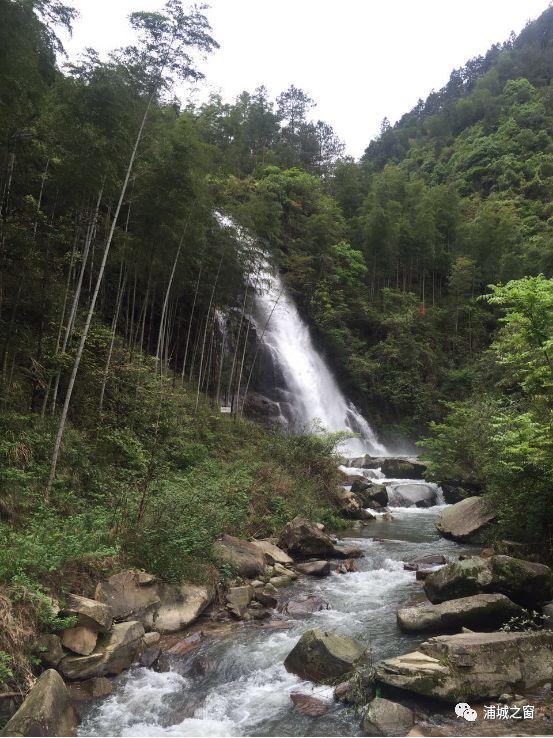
(91, 614)
(314, 568)
(472, 666)
(387, 718)
(466, 520)
(48, 649)
(46, 711)
(321, 655)
(300, 607)
(114, 652)
(527, 583)
(396, 467)
(238, 599)
(459, 579)
(476, 612)
(131, 595)
(81, 640)
(304, 540)
(181, 604)
(273, 554)
(425, 561)
(244, 557)
(350, 505)
(373, 494)
(412, 495)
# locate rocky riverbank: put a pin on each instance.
(292, 622)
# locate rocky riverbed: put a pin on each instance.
(391, 583)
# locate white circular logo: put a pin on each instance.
(463, 709)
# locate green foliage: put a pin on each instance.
(506, 438)
(6, 673)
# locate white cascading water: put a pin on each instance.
(313, 392)
(314, 395)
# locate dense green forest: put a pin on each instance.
(114, 272)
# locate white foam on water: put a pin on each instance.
(138, 706)
(314, 393)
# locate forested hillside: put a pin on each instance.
(115, 274)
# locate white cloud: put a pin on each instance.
(360, 60)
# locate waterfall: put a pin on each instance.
(310, 399)
(311, 393)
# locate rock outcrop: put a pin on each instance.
(244, 557)
(49, 650)
(273, 554)
(303, 539)
(131, 595)
(351, 506)
(80, 640)
(238, 599)
(479, 611)
(92, 614)
(180, 605)
(385, 718)
(525, 582)
(472, 666)
(321, 655)
(466, 520)
(114, 652)
(46, 711)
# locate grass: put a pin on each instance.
(151, 482)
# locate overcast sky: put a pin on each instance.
(361, 60)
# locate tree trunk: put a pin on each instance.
(119, 300)
(205, 331)
(78, 357)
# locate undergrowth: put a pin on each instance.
(151, 482)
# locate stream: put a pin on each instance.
(235, 684)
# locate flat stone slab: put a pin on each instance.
(466, 520)
(472, 666)
(478, 611)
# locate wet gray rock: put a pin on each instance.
(385, 718)
(473, 665)
(424, 562)
(466, 520)
(267, 596)
(314, 568)
(412, 495)
(397, 467)
(46, 711)
(310, 705)
(375, 494)
(302, 539)
(321, 655)
(302, 606)
(527, 583)
(479, 611)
